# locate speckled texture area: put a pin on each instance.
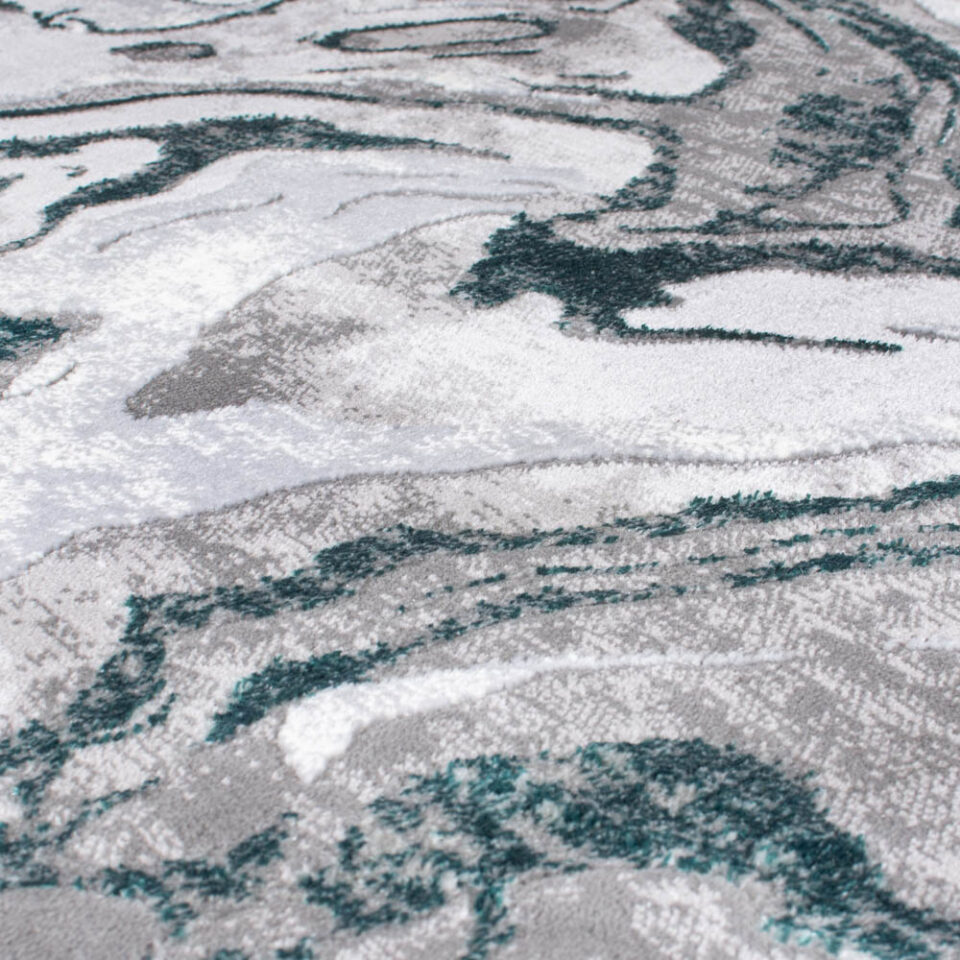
(479, 480)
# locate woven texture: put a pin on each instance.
(479, 480)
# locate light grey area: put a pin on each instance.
(67, 924)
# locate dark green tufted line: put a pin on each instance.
(178, 888)
(132, 677)
(183, 149)
(128, 694)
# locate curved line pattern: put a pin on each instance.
(678, 804)
(338, 39)
(51, 21)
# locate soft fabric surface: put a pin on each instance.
(479, 480)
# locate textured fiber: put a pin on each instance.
(480, 480)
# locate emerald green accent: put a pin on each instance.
(129, 681)
(286, 680)
(183, 149)
(712, 26)
(794, 540)
(178, 889)
(830, 135)
(599, 285)
(481, 829)
(19, 336)
(822, 135)
(19, 863)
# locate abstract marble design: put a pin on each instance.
(480, 480)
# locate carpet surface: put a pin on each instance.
(480, 480)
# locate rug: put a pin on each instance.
(480, 480)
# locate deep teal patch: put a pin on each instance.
(127, 695)
(301, 951)
(765, 507)
(828, 135)
(338, 567)
(286, 680)
(22, 856)
(599, 284)
(253, 90)
(651, 191)
(19, 336)
(482, 827)
(823, 136)
(713, 26)
(177, 890)
(798, 24)
(131, 679)
(928, 59)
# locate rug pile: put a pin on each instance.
(479, 480)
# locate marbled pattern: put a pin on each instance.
(479, 480)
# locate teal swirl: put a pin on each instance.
(486, 825)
